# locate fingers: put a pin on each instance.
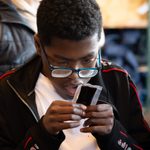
(59, 126)
(63, 107)
(101, 119)
(104, 114)
(64, 103)
(99, 111)
(67, 110)
(63, 115)
(102, 122)
(100, 107)
(102, 130)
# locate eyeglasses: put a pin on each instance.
(63, 72)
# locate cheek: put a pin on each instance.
(57, 82)
(45, 69)
(61, 83)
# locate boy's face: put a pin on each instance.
(70, 54)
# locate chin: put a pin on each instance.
(67, 97)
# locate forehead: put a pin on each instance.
(73, 49)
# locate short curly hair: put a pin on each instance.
(68, 19)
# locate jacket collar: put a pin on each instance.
(24, 79)
(9, 14)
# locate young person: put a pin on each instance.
(36, 107)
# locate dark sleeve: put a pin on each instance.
(135, 135)
(118, 139)
(36, 138)
(138, 127)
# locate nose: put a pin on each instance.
(74, 74)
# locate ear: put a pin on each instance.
(37, 44)
(102, 39)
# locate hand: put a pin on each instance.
(63, 115)
(100, 119)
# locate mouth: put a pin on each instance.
(70, 90)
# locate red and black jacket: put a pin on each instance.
(21, 127)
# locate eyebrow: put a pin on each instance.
(64, 58)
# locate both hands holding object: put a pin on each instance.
(65, 114)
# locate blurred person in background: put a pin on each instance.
(17, 28)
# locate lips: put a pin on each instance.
(71, 89)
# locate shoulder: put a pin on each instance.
(7, 74)
(5, 90)
(109, 67)
(4, 77)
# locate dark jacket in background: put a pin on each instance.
(21, 127)
(16, 38)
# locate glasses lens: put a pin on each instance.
(87, 73)
(61, 73)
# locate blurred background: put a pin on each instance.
(127, 41)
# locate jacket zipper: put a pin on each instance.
(22, 100)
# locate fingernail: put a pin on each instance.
(83, 107)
